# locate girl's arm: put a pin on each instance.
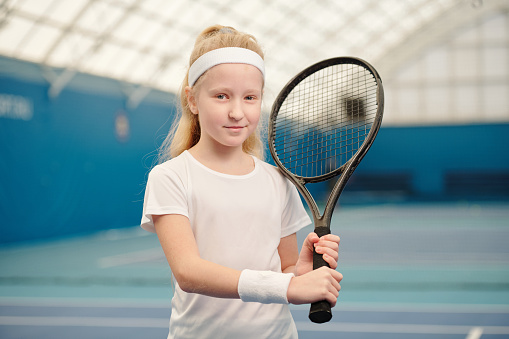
(193, 274)
(289, 253)
(292, 262)
(311, 285)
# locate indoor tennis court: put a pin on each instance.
(420, 270)
(88, 93)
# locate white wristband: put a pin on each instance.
(265, 287)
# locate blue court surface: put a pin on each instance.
(413, 270)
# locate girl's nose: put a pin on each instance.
(236, 113)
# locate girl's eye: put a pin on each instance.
(221, 96)
(250, 97)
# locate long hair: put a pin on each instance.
(185, 132)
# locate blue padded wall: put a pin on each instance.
(64, 167)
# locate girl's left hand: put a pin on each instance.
(327, 245)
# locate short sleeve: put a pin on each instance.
(165, 193)
(294, 216)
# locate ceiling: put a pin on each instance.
(148, 42)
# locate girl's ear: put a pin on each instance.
(191, 100)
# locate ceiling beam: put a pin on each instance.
(59, 83)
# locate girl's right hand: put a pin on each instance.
(316, 285)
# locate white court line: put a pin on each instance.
(475, 333)
(152, 254)
(414, 308)
(345, 307)
(396, 328)
(85, 302)
(301, 326)
(84, 322)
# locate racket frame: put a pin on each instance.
(322, 221)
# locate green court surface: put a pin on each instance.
(430, 270)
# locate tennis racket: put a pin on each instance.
(321, 125)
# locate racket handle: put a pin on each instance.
(320, 311)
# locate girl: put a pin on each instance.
(226, 220)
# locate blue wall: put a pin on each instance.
(430, 162)
(64, 170)
(468, 160)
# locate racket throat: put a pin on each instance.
(321, 230)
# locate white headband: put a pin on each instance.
(227, 55)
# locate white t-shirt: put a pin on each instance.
(237, 221)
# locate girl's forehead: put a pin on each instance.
(233, 73)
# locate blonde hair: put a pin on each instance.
(185, 132)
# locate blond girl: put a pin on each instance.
(226, 220)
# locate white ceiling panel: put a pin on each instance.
(149, 41)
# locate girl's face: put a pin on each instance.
(228, 104)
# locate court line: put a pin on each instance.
(135, 257)
(472, 333)
(166, 303)
(475, 333)
(85, 302)
(84, 322)
(396, 328)
(414, 308)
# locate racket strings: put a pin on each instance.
(324, 119)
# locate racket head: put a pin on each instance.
(325, 116)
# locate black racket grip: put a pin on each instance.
(320, 311)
